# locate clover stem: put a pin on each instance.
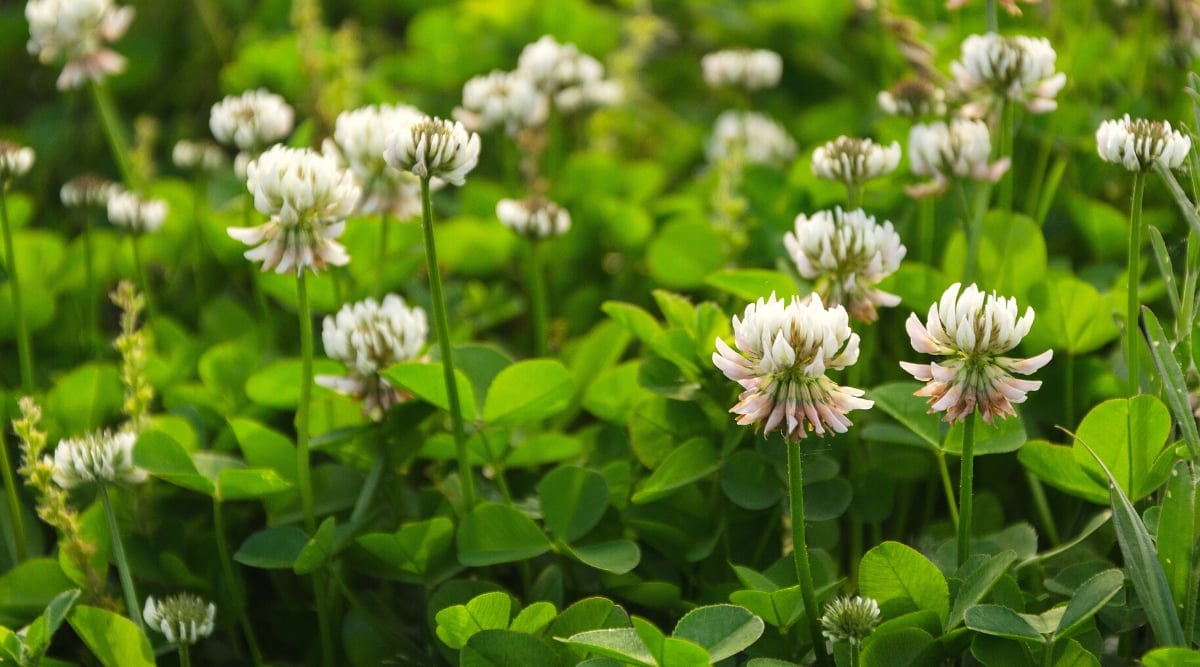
(800, 551)
(131, 599)
(1133, 304)
(966, 484)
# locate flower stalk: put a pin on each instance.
(117, 142)
(812, 612)
(234, 584)
(24, 353)
(1133, 302)
(303, 470)
(537, 296)
(966, 489)
(131, 599)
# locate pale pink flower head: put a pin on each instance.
(946, 151)
(784, 350)
(854, 161)
(1016, 68)
(971, 330)
(78, 31)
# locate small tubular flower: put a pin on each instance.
(15, 160)
(308, 198)
(757, 138)
(743, 68)
(784, 350)
(182, 618)
(105, 456)
(846, 253)
(508, 99)
(251, 121)
(533, 218)
(1017, 68)
(971, 330)
(854, 161)
(850, 619)
(1138, 144)
(913, 98)
(959, 149)
(433, 147)
(77, 31)
(87, 191)
(359, 141)
(134, 214)
(198, 156)
(574, 80)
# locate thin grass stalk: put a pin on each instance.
(20, 550)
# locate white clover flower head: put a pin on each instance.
(135, 214)
(508, 99)
(784, 350)
(199, 156)
(846, 253)
(1138, 144)
(77, 31)
(854, 161)
(369, 337)
(182, 618)
(104, 456)
(574, 80)
(960, 149)
(252, 120)
(850, 619)
(756, 138)
(971, 330)
(1017, 68)
(307, 197)
(534, 218)
(87, 191)
(913, 98)
(359, 141)
(433, 147)
(15, 160)
(752, 69)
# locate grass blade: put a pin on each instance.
(1174, 384)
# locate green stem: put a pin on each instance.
(185, 660)
(537, 298)
(947, 485)
(854, 655)
(303, 473)
(20, 546)
(131, 599)
(91, 304)
(854, 195)
(370, 485)
(236, 594)
(322, 600)
(441, 323)
(1069, 390)
(10, 260)
(925, 230)
(1133, 305)
(993, 23)
(1038, 492)
(113, 132)
(967, 481)
(971, 230)
(800, 552)
(143, 276)
(383, 253)
(1008, 122)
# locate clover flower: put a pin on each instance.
(960, 149)
(250, 121)
(1138, 144)
(433, 147)
(847, 253)
(510, 99)
(972, 330)
(784, 350)
(15, 160)
(369, 337)
(744, 68)
(854, 161)
(757, 138)
(86, 191)
(534, 218)
(200, 156)
(574, 80)
(913, 98)
(182, 618)
(359, 141)
(307, 197)
(77, 30)
(1017, 68)
(104, 457)
(134, 214)
(850, 619)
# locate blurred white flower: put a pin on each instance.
(359, 141)
(784, 351)
(369, 337)
(182, 618)
(203, 156)
(971, 330)
(251, 121)
(1017, 68)
(533, 218)
(854, 161)
(134, 214)
(913, 98)
(508, 99)
(78, 31)
(87, 191)
(308, 198)
(574, 80)
(433, 147)
(846, 253)
(743, 68)
(103, 457)
(755, 137)
(15, 160)
(850, 619)
(1138, 144)
(958, 150)
(1010, 6)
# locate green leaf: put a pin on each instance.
(753, 284)
(693, 460)
(1089, 599)
(1071, 653)
(528, 391)
(493, 533)
(1106, 430)
(1001, 437)
(543, 448)
(28, 588)
(317, 550)
(505, 648)
(457, 624)
(595, 613)
(683, 253)
(1056, 466)
(678, 652)
(1177, 531)
(1012, 253)
(427, 380)
(1066, 310)
(265, 448)
(901, 580)
(612, 395)
(278, 385)
(534, 618)
(274, 548)
(993, 651)
(993, 619)
(977, 583)
(827, 499)
(621, 644)
(651, 636)
(414, 547)
(112, 638)
(616, 556)
(160, 455)
(41, 631)
(249, 484)
(1172, 657)
(634, 318)
(900, 648)
(1174, 384)
(573, 500)
(85, 399)
(722, 629)
(751, 481)
(897, 400)
(657, 425)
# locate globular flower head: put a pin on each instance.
(369, 337)
(850, 619)
(135, 214)
(971, 330)
(308, 197)
(252, 120)
(433, 147)
(742, 68)
(359, 141)
(846, 253)
(1017, 68)
(960, 149)
(1138, 144)
(574, 80)
(535, 218)
(854, 161)
(182, 618)
(105, 456)
(87, 191)
(784, 350)
(15, 160)
(77, 31)
(198, 156)
(914, 99)
(756, 138)
(506, 99)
